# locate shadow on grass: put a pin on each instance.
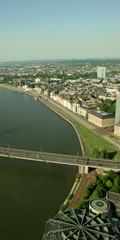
(112, 154)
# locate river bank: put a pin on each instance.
(54, 107)
(28, 188)
(62, 113)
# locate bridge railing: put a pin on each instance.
(59, 158)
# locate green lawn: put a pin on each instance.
(92, 141)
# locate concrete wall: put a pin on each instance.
(117, 130)
(74, 107)
(83, 111)
(100, 122)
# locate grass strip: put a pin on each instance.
(92, 141)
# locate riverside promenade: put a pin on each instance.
(54, 107)
(70, 117)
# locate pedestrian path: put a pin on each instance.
(80, 191)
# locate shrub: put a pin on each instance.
(109, 183)
(88, 190)
(70, 196)
(64, 206)
(78, 176)
(95, 194)
(83, 204)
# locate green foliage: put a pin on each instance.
(101, 190)
(107, 105)
(83, 204)
(70, 196)
(95, 194)
(95, 153)
(78, 176)
(93, 140)
(64, 206)
(87, 193)
(117, 181)
(88, 190)
(86, 99)
(111, 175)
(90, 75)
(109, 183)
(100, 153)
(115, 189)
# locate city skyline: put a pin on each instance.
(59, 29)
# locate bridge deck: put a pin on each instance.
(59, 158)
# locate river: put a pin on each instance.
(32, 192)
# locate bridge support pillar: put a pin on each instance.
(83, 169)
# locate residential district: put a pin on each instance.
(91, 90)
(88, 88)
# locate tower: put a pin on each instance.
(117, 111)
(101, 72)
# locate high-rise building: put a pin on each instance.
(117, 111)
(101, 72)
(117, 117)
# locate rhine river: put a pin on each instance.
(32, 192)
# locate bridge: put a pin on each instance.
(72, 160)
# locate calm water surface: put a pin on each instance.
(32, 192)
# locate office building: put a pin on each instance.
(117, 117)
(101, 72)
(117, 111)
(101, 118)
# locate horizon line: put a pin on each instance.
(62, 59)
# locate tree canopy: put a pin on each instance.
(107, 105)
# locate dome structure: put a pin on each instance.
(79, 225)
(99, 206)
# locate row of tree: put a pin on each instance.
(108, 182)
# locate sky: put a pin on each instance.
(59, 29)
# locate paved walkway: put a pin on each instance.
(70, 116)
(80, 191)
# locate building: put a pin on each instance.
(117, 117)
(82, 111)
(101, 118)
(82, 225)
(101, 72)
(117, 111)
(114, 198)
(100, 206)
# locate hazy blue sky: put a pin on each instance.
(59, 29)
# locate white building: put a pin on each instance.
(117, 111)
(101, 72)
(37, 80)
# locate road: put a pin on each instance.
(72, 116)
(59, 158)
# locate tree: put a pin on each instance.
(95, 194)
(104, 153)
(88, 190)
(107, 105)
(100, 153)
(83, 204)
(111, 175)
(117, 181)
(109, 183)
(95, 153)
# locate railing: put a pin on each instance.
(59, 158)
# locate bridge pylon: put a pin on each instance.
(83, 169)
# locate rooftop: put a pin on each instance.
(102, 114)
(81, 225)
